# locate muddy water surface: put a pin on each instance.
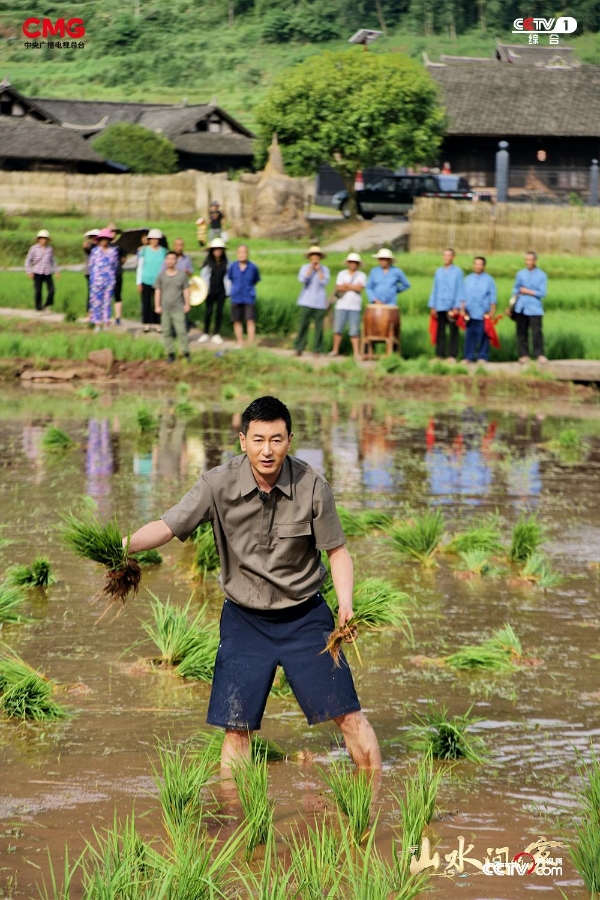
(60, 781)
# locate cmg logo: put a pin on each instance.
(35, 28)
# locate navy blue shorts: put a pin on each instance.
(254, 642)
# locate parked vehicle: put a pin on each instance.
(393, 195)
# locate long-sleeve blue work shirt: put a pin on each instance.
(478, 294)
(534, 280)
(385, 286)
(314, 290)
(447, 285)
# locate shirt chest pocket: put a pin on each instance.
(294, 530)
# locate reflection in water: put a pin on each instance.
(377, 447)
(464, 467)
(101, 460)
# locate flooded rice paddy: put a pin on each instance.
(59, 781)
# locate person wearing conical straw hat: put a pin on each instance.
(348, 288)
(386, 280)
(314, 278)
(40, 266)
(444, 303)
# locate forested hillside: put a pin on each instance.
(148, 49)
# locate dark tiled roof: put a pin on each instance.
(90, 116)
(534, 55)
(504, 100)
(25, 139)
(205, 144)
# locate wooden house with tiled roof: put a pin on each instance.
(541, 100)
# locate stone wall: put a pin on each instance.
(143, 197)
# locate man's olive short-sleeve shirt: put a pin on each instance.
(269, 551)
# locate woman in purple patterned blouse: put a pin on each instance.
(104, 261)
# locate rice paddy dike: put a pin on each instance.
(479, 516)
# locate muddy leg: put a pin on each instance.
(361, 740)
(236, 747)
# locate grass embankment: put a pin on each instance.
(144, 58)
(570, 323)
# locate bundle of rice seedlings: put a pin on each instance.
(353, 794)
(24, 693)
(88, 392)
(146, 420)
(38, 574)
(537, 570)
(342, 634)
(206, 556)
(199, 662)
(119, 864)
(527, 536)
(251, 780)
(377, 604)
(476, 561)
(211, 742)
(569, 447)
(183, 388)
(55, 440)
(172, 631)
(315, 862)
(416, 807)
(102, 543)
(357, 524)
(446, 737)
(148, 558)
(185, 408)
(11, 601)
(419, 538)
(484, 536)
(180, 776)
(585, 850)
(498, 653)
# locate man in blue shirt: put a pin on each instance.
(478, 302)
(244, 277)
(444, 302)
(313, 276)
(531, 286)
(386, 281)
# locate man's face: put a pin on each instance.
(315, 258)
(448, 257)
(530, 260)
(352, 266)
(170, 260)
(266, 445)
(384, 262)
(478, 266)
(242, 253)
(178, 246)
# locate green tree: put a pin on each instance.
(352, 109)
(143, 151)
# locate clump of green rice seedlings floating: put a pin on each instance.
(420, 537)
(353, 794)
(146, 420)
(148, 558)
(199, 663)
(446, 736)
(500, 653)
(569, 447)
(38, 574)
(102, 543)
(55, 440)
(184, 408)
(183, 388)
(357, 524)
(477, 562)
(172, 631)
(88, 392)
(484, 537)
(250, 776)
(24, 693)
(585, 849)
(527, 536)
(180, 776)
(229, 392)
(315, 862)
(206, 556)
(211, 742)
(11, 601)
(537, 570)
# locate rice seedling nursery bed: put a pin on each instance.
(474, 534)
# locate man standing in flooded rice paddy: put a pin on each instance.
(272, 515)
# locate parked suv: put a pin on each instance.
(393, 195)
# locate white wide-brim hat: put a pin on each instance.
(354, 257)
(92, 233)
(384, 253)
(217, 244)
(315, 249)
(155, 233)
(43, 233)
(198, 290)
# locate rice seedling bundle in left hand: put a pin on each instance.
(102, 543)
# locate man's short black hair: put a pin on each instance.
(266, 409)
(482, 258)
(170, 253)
